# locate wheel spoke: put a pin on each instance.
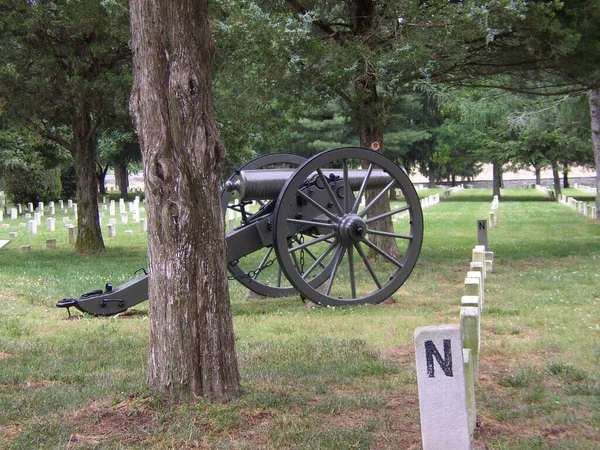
(313, 242)
(262, 263)
(383, 253)
(351, 271)
(386, 233)
(362, 190)
(368, 265)
(316, 205)
(364, 212)
(307, 250)
(313, 224)
(319, 260)
(329, 191)
(346, 187)
(387, 214)
(337, 259)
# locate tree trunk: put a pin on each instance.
(192, 349)
(556, 178)
(538, 175)
(122, 180)
(594, 97)
(101, 174)
(497, 178)
(89, 234)
(565, 184)
(431, 173)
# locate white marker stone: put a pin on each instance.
(112, 230)
(51, 223)
(32, 227)
(72, 229)
(442, 391)
(471, 332)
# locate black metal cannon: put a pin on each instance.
(308, 227)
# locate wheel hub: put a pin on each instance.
(352, 229)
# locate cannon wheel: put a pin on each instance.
(361, 271)
(250, 277)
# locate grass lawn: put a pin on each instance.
(317, 378)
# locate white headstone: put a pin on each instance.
(124, 217)
(13, 235)
(37, 216)
(112, 230)
(72, 230)
(69, 203)
(75, 211)
(111, 208)
(471, 332)
(32, 227)
(41, 208)
(13, 213)
(51, 223)
(143, 225)
(442, 390)
(19, 208)
(30, 207)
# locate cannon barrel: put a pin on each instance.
(267, 184)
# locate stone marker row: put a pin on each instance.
(581, 207)
(452, 190)
(493, 216)
(447, 359)
(584, 188)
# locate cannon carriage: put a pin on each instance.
(313, 227)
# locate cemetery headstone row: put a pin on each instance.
(447, 361)
(581, 207)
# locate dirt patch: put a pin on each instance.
(401, 427)
(125, 422)
(5, 356)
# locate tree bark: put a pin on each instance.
(556, 180)
(497, 178)
(594, 98)
(89, 234)
(122, 180)
(566, 183)
(538, 175)
(192, 351)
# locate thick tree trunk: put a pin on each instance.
(497, 178)
(538, 175)
(565, 171)
(556, 179)
(594, 97)
(122, 180)
(101, 174)
(89, 234)
(192, 351)
(431, 173)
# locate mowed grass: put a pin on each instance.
(318, 378)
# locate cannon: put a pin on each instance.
(310, 227)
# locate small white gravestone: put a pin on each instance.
(479, 276)
(50, 243)
(470, 388)
(61, 205)
(13, 235)
(37, 217)
(122, 206)
(470, 325)
(442, 390)
(124, 217)
(19, 208)
(144, 225)
(13, 213)
(1, 215)
(72, 230)
(41, 208)
(112, 230)
(51, 223)
(128, 232)
(69, 203)
(30, 207)
(4, 242)
(25, 249)
(111, 208)
(32, 227)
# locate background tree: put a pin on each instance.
(192, 350)
(118, 148)
(65, 68)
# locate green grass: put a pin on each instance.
(320, 378)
